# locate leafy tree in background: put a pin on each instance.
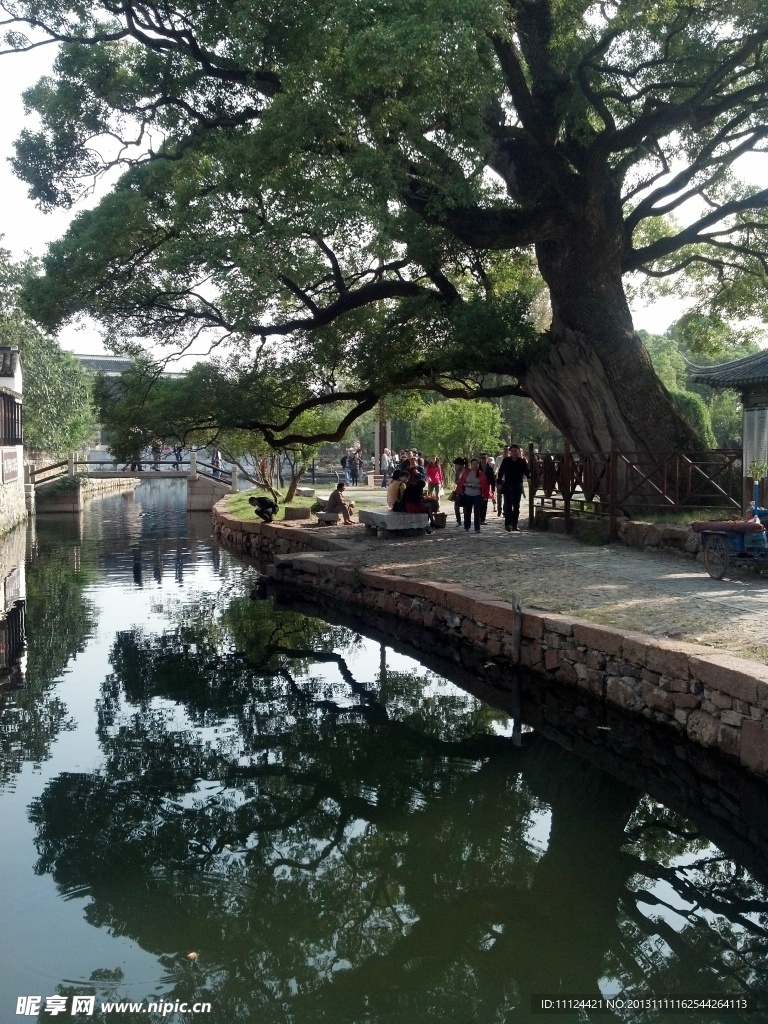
(455, 428)
(525, 423)
(210, 405)
(356, 192)
(717, 414)
(58, 406)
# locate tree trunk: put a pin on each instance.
(295, 481)
(592, 376)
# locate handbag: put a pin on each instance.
(454, 496)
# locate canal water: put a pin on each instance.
(211, 797)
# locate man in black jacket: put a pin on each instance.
(490, 476)
(512, 471)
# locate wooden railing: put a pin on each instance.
(47, 474)
(77, 465)
(193, 465)
(607, 482)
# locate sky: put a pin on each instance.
(26, 230)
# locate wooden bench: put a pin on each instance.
(393, 522)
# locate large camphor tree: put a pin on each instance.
(355, 196)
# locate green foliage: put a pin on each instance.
(525, 423)
(59, 620)
(457, 428)
(237, 411)
(712, 337)
(59, 413)
(58, 405)
(351, 196)
(671, 367)
(694, 409)
(668, 362)
(757, 469)
(726, 416)
(64, 485)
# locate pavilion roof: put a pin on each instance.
(739, 373)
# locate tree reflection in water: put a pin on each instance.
(344, 850)
(59, 621)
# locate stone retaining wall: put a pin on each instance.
(717, 700)
(203, 493)
(656, 536)
(74, 500)
(13, 509)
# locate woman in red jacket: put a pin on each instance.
(474, 489)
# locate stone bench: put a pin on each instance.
(394, 522)
(298, 512)
(328, 518)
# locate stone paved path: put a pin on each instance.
(657, 593)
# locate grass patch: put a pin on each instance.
(590, 533)
(237, 504)
(684, 517)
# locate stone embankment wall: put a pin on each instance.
(13, 509)
(13, 551)
(717, 700)
(656, 536)
(74, 500)
(203, 493)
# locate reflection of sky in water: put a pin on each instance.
(537, 832)
(176, 568)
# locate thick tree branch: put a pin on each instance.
(692, 234)
(706, 158)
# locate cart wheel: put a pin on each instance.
(717, 556)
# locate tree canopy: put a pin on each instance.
(454, 428)
(358, 195)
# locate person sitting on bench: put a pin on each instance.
(337, 504)
(415, 502)
(265, 508)
(396, 489)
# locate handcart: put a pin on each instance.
(729, 544)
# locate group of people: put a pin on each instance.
(478, 484)
(158, 450)
(353, 465)
(415, 485)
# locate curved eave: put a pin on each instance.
(739, 374)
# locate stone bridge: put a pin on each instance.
(206, 484)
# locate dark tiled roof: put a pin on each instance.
(113, 366)
(9, 361)
(739, 373)
(105, 364)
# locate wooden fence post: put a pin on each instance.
(613, 484)
(531, 488)
(565, 486)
